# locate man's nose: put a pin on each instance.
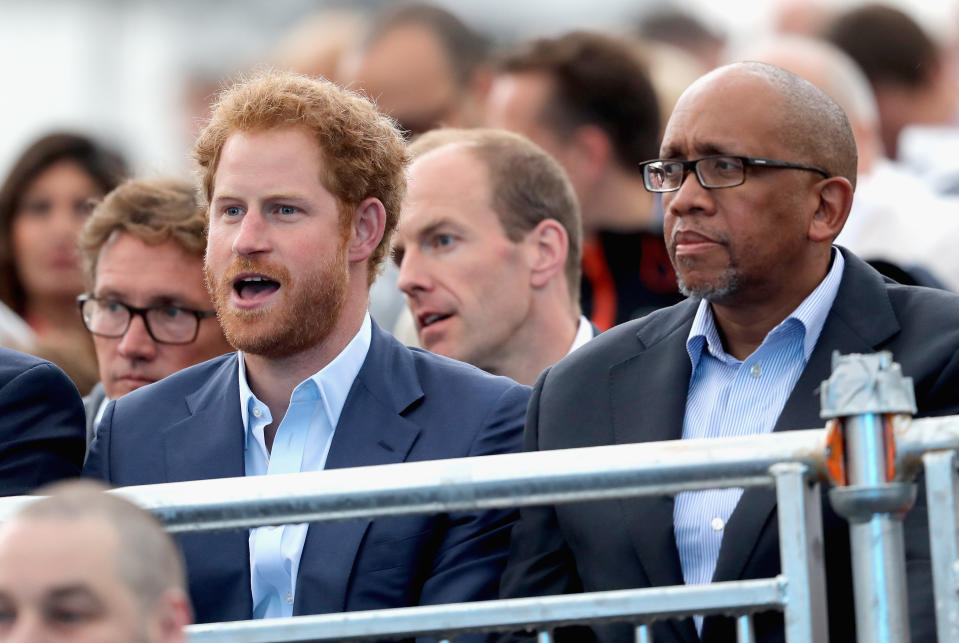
(414, 274)
(690, 198)
(136, 343)
(252, 236)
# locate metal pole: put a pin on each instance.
(744, 629)
(539, 614)
(862, 391)
(799, 510)
(468, 484)
(644, 634)
(943, 505)
(878, 545)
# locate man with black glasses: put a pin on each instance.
(757, 175)
(148, 308)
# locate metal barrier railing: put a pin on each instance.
(792, 461)
(870, 469)
(482, 616)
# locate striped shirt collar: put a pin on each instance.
(810, 315)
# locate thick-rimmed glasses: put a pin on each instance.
(718, 171)
(165, 324)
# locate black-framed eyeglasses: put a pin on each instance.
(165, 324)
(717, 171)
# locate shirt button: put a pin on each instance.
(257, 412)
(288, 598)
(756, 370)
(717, 524)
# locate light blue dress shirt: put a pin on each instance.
(302, 443)
(727, 398)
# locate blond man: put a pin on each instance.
(147, 306)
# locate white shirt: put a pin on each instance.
(896, 217)
(301, 443)
(14, 332)
(584, 333)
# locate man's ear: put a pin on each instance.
(548, 246)
(366, 229)
(172, 614)
(835, 201)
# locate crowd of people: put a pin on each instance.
(404, 244)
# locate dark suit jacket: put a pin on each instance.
(405, 405)
(630, 385)
(41, 424)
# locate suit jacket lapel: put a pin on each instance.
(860, 320)
(648, 404)
(370, 431)
(209, 442)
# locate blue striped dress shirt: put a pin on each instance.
(728, 397)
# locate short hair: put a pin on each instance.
(363, 152)
(148, 561)
(598, 80)
(105, 167)
(811, 122)
(465, 48)
(886, 43)
(154, 211)
(527, 186)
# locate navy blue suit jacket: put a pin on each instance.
(41, 424)
(405, 405)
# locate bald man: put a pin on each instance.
(757, 174)
(894, 210)
(84, 566)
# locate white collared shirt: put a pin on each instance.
(301, 443)
(584, 333)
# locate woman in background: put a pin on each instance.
(43, 203)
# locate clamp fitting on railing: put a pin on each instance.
(860, 400)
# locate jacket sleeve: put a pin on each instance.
(42, 429)
(540, 562)
(470, 559)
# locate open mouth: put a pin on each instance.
(252, 288)
(432, 318)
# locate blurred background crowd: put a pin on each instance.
(101, 90)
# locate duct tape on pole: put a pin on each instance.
(864, 392)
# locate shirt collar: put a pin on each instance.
(810, 314)
(333, 381)
(584, 333)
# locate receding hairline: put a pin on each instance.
(147, 560)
